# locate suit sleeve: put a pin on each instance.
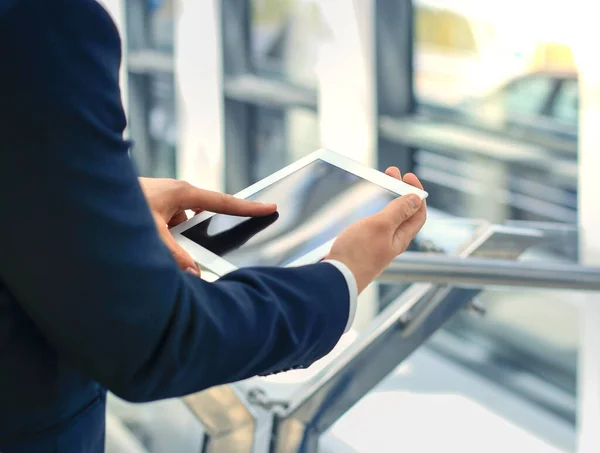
(78, 246)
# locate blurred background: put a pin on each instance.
(480, 99)
(482, 79)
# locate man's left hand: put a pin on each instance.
(170, 198)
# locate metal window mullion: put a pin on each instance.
(395, 75)
(239, 116)
(134, 37)
(139, 94)
(132, 26)
(116, 9)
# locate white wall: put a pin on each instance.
(198, 75)
(585, 47)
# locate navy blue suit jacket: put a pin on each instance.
(90, 298)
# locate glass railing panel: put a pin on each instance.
(529, 341)
(560, 244)
(533, 335)
(524, 346)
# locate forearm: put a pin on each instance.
(256, 321)
(79, 248)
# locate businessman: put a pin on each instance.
(94, 293)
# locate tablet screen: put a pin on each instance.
(315, 203)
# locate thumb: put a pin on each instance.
(401, 209)
(183, 259)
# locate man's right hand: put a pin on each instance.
(369, 246)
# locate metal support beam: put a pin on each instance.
(138, 120)
(240, 117)
(394, 77)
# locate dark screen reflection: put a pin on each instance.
(314, 203)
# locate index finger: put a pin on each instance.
(411, 178)
(221, 203)
(394, 172)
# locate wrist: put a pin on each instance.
(360, 279)
(352, 290)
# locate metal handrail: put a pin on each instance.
(478, 273)
(404, 326)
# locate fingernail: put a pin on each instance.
(414, 201)
(193, 271)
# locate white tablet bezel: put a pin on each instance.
(214, 263)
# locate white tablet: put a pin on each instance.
(317, 197)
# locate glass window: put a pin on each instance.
(566, 104)
(495, 137)
(496, 97)
(282, 137)
(527, 96)
(161, 15)
(162, 127)
(285, 39)
(523, 99)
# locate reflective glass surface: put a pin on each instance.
(529, 338)
(495, 138)
(500, 91)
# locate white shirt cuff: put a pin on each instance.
(352, 290)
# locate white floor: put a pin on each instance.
(432, 405)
